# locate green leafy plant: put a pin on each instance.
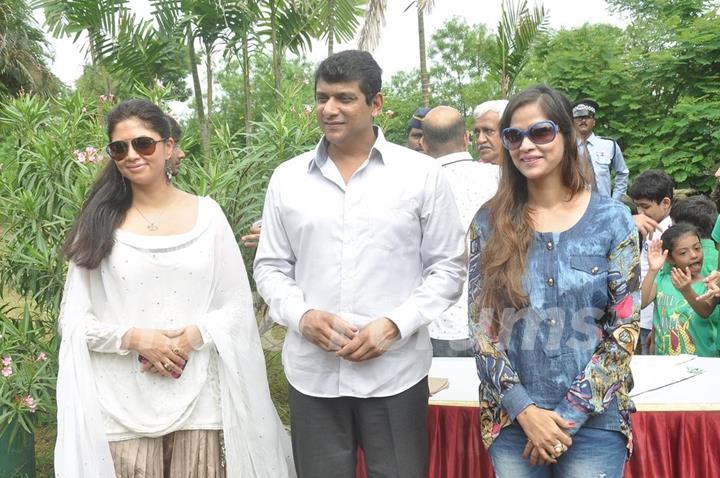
(28, 367)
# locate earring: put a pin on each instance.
(168, 170)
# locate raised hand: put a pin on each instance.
(712, 283)
(645, 224)
(656, 255)
(681, 278)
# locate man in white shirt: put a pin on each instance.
(361, 249)
(472, 183)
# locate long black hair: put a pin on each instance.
(91, 238)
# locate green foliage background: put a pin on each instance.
(657, 81)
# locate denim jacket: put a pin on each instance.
(569, 350)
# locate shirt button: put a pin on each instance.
(553, 322)
(551, 282)
(594, 270)
(549, 246)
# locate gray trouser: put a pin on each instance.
(392, 431)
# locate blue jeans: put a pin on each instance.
(594, 453)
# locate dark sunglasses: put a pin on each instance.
(144, 145)
(542, 132)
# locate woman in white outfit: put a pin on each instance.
(161, 369)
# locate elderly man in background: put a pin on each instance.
(472, 183)
(487, 130)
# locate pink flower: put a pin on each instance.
(7, 361)
(306, 81)
(6, 371)
(307, 109)
(390, 113)
(159, 83)
(30, 403)
(41, 357)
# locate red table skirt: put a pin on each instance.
(667, 444)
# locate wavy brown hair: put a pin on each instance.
(504, 259)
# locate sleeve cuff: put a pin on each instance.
(122, 330)
(515, 400)
(293, 312)
(571, 414)
(407, 319)
(206, 338)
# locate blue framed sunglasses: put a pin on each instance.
(542, 132)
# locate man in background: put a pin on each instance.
(414, 130)
(487, 130)
(472, 183)
(605, 154)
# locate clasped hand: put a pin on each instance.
(333, 334)
(544, 430)
(166, 351)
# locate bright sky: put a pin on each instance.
(398, 45)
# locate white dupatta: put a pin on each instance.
(256, 443)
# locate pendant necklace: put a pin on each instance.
(151, 225)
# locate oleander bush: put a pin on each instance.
(50, 152)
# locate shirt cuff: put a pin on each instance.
(515, 400)
(293, 312)
(407, 319)
(570, 413)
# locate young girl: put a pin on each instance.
(553, 289)
(683, 323)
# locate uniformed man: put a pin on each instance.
(605, 154)
(414, 129)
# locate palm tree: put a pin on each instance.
(22, 51)
(517, 32)
(375, 20)
(338, 20)
(95, 18)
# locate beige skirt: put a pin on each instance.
(182, 454)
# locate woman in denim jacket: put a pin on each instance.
(554, 301)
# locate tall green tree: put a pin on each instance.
(461, 53)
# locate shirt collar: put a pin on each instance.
(591, 139)
(452, 157)
(379, 150)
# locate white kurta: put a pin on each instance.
(165, 282)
